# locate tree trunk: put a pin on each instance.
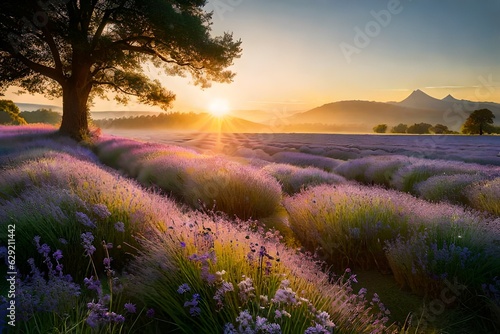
(75, 119)
(480, 129)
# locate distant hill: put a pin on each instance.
(416, 108)
(262, 116)
(364, 112)
(34, 106)
(96, 115)
(184, 122)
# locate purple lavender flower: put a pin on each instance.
(57, 255)
(150, 313)
(229, 329)
(87, 239)
(129, 307)
(120, 227)
(183, 244)
(92, 284)
(93, 320)
(44, 250)
(101, 211)
(114, 317)
(318, 329)
(194, 310)
(83, 219)
(107, 261)
(183, 288)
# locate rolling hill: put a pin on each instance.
(184, 122)
(416, 108)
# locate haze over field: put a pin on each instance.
(299, 55)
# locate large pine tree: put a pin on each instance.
(79, 49)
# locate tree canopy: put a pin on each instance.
(479, 121)
(400, 128)
(80, 49)
(380, 128)
(9, 113)
(420, 128)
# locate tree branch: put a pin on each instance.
(42, 69)
(123, 45)
(53, 48)
(115, 86)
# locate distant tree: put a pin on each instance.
(9, 113)
(420, 128)
(42, 116)
(400, 128)
(381, 128)
(440, 129)
(479, 121)
(80, 49)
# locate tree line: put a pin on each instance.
(10, 114)
(479, 122)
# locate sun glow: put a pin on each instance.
(219, 108)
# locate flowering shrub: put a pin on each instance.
(209, 274)
(373, 169)
(349, 224)
(485, 196)
(216, 182)
(450, 188)
(426, 263)
(48, 292)
(419, 170)
(293, 179)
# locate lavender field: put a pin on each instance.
(478, 149)
(268, 233)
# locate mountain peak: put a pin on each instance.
(420, 100)
(417, 93)
(449, 98)
(418, 96)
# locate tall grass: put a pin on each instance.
(485, 196)
(213, 275)
(230, 187)
(424, 245)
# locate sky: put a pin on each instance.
(300, 54)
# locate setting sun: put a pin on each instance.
(219, 107)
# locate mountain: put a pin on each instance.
(365, 113)
(420, 100)
(418, 107)
(448, 98)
